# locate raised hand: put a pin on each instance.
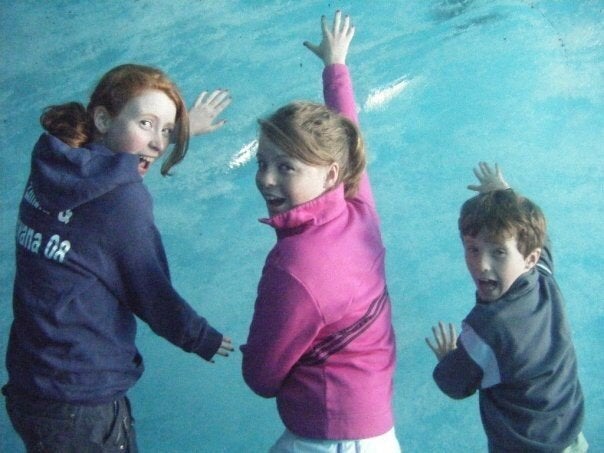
(206, 109)
(489, 179)
(335, 41)
(445, 342)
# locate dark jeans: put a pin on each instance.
(49, 426)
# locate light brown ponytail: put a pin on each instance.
(356, 159)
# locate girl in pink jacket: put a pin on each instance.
(321, 339)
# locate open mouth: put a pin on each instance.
(144, 162)
(487, 285)
(274, 203)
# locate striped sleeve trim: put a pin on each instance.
(337, 341)
(542, 266)
(482, 354)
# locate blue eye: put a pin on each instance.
(285, 168)
(146, 123)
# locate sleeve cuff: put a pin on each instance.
(210, 344)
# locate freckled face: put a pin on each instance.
(495, 266)
(285, 182)
(143, 127)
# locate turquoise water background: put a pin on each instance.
(440, 84)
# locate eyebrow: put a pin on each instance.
(278, 155)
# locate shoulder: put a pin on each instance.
(280, 269)
(279, 285)
(127, 207)
(131, 198)
(309, 256)
(489, 322)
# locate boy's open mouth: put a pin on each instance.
(487, 285)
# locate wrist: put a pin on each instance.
(335, 60)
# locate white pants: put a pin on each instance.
(290, 443)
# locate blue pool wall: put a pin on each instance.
(440, 84)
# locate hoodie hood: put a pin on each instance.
(64, 178)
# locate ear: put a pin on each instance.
(331, 178)
(531, 260)
(102, 119)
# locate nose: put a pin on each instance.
(158, 142)
(265, 178)
(484, 263)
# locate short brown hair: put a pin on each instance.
(504, 213)
(316, 135)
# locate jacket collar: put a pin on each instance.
(317, 211)
(523, 285)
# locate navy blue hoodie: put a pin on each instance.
(88, 259)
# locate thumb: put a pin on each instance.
(313, 48)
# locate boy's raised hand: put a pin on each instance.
(445, 341)
(206, 109)
(489, 179)
(335, 42)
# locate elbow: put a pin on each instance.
(258, 378)
(454, 393)
(453, 389)
(264, 392)
(259, 386)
